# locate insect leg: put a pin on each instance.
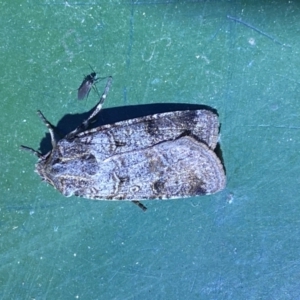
(36, 153)
(94, 87)
(85, 124)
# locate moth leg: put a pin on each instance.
(85, 124)
(140, 205)
(50, 127)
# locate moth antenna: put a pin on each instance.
(85, 124)
(36, 153)
(50, 127)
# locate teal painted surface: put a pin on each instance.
(242, 243)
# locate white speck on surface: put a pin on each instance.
(251, 41)
(230, 198)
(204, 58)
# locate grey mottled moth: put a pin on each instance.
(161, 156)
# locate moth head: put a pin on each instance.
(51, 169)
(40, 167)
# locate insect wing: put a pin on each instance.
(86, 85)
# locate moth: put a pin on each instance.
(160, 156)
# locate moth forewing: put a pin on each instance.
(169, 169)
(147, 131)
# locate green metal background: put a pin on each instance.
(242, 243)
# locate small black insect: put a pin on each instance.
(86, 85)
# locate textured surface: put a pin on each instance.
(242, 243)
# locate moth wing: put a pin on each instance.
(173, 169)
(140, 133)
